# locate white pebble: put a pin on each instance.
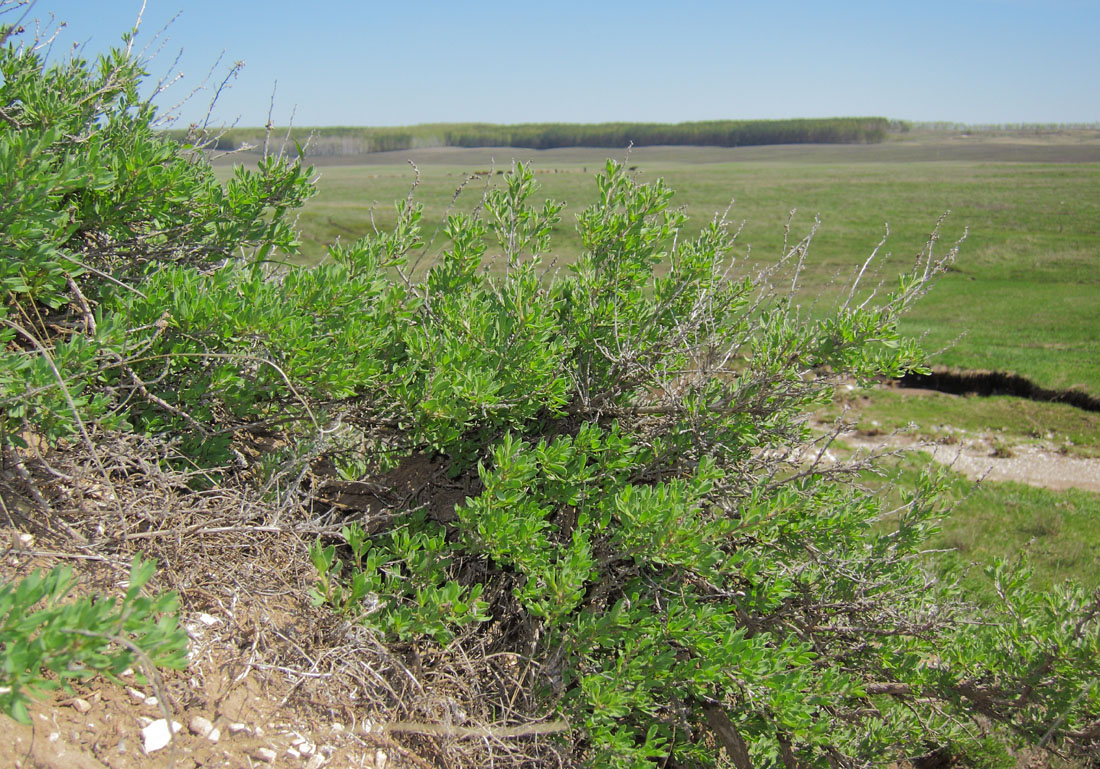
(237, 727)
(81, 705)
(316, 762)
(215, 735)
(136, 695)
(200, 726)
(380, 759)
(158, 734)
(267, 755)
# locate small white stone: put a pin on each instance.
(237, 727)
(267, 755)
(151, 701)
(158, 734)
(258, 731)
(136, 695)
(293, 753)
(380, 759)
(81, 705)
(208, 619)
(54, 736)
(215, 735)
(200, 726)
(337, 727)
(315, 762)
(306, 748)
(366, 726)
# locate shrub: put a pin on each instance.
(624, 512)
(94, 200)
(675, 559)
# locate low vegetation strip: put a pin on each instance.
(712, 133)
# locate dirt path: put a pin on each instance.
(983, 457)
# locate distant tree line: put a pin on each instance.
(714, 133)
(711, 133)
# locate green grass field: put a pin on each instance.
(1053, 530)
(1024, 297)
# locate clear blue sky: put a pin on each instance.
(387, 62)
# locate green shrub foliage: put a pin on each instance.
(96, 199)
(643, 515)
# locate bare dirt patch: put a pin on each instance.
(988, 457)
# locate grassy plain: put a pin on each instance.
(1024, 297)
(1054, 530)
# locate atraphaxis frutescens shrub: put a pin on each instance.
(644, 517)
